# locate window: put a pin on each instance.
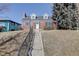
(45, 16)
(48, 24)
(2, 24)
(12, 23)
(33, 16)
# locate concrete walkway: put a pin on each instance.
(38, 45)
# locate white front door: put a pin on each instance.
(37, 25)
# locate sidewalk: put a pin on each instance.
(38, 45)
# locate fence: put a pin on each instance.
(27, 46)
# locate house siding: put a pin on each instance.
(9, 26)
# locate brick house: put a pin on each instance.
(40, 22)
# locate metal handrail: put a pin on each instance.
(27, 46)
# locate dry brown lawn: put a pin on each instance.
(61, 42)
(10, 46)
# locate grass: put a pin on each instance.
(61, 42)
(11, 46)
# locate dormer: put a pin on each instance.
(45, 16)
(33, 16)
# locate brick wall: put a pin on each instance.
(42, 24)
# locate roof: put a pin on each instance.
(37, 18)
(9, 21)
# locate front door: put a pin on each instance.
(37, 25)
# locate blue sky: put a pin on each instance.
(16, 12)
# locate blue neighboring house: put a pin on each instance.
(9, 25)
